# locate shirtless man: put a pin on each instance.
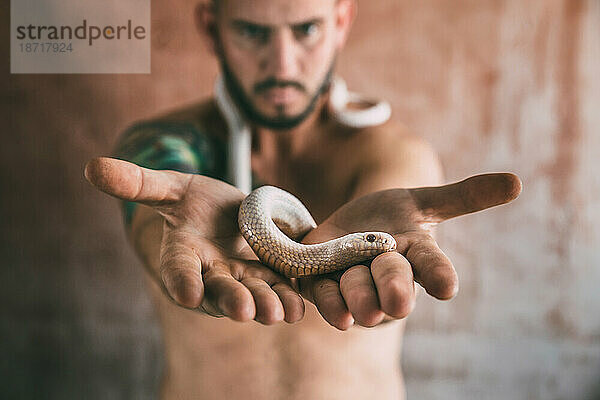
(277, 57)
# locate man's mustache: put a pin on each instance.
(276, 83)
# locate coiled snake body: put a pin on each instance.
(273, 221)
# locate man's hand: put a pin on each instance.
(366, 295)
(204, 261)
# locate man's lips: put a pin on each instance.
(281, 95)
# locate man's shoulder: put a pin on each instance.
(391, 139)
(190, 139)
(203, 116)
(394, 148)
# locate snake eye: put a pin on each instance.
(370, 238)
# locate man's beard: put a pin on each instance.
(280, 122)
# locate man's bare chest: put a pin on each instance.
(323, 180)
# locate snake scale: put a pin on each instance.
(273, 222)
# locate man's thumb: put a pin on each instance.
(128, 181)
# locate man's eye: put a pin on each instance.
(306, 30)
(254, 32)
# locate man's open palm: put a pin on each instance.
(205, 263)
(366, 295)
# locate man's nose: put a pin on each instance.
(284, 58)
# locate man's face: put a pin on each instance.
(277, 55)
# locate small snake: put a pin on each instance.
(273, 221)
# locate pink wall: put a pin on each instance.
(494, 85)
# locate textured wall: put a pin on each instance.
(494, 85)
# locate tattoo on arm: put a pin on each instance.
(178, 146)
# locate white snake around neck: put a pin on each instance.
(239, 143)
(273, 220)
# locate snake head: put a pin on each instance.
(370, 244)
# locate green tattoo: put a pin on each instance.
(178, 146)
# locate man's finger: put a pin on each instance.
(470, 195)
(393, 277)
(431, 267)
(180, 268)
(131, 182)
(331, 305)
(293, 304)
(229, 295)
(269, 309)
(360, 295)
